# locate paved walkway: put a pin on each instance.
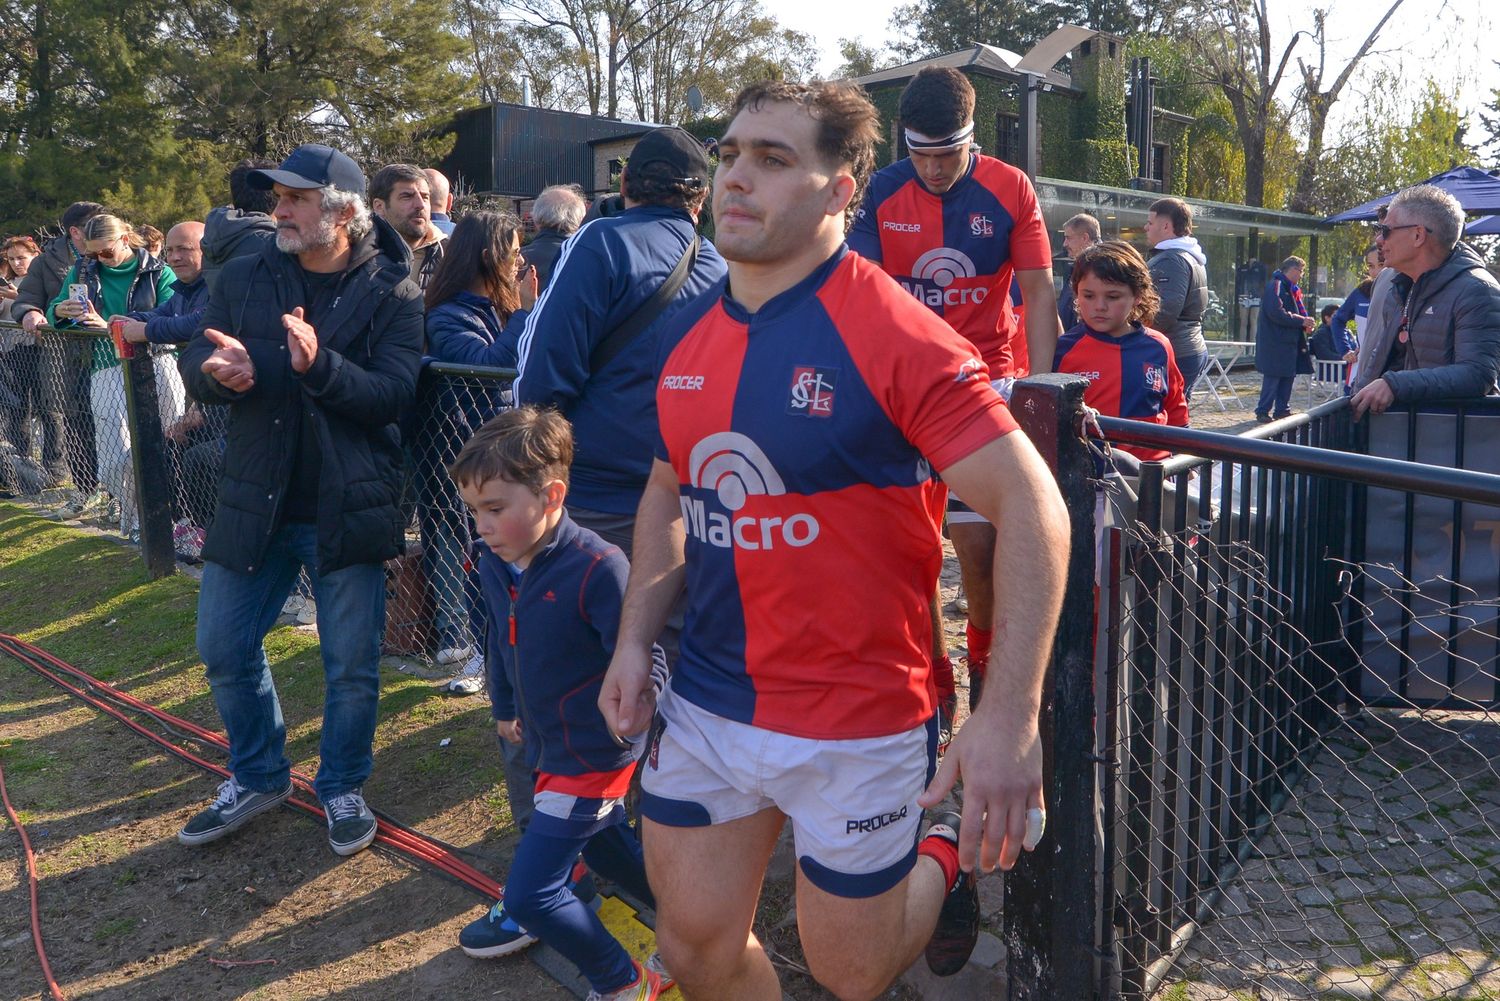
(1378, 879)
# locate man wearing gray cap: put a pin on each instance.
(314, 344)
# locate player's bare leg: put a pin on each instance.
(942, 674)
(974, 545)
(707, 883)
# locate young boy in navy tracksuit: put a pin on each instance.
(552, 592)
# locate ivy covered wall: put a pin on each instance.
(1082, 136)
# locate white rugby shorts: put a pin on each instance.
(852, 803)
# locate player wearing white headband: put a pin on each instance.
(955, 227)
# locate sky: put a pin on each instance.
(1441, 37)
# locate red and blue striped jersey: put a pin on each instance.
(958, 252)
(804, 438)
(1134, 376)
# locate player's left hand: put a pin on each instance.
(301, 340)
(1000, 762)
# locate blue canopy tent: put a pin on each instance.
(1484, 226)
(1476, 190)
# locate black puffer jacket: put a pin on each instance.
(363, 378)
(1454, 328)
(229, 233)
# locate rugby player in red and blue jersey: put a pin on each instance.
(802, 411)
(955, 227)
(1131, 369)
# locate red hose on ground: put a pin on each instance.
(392, 835)
(36, 919)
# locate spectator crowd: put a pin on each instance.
(701, 433)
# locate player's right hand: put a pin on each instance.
(627, 698)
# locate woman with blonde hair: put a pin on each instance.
(117, 275)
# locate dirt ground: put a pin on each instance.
(128, 914)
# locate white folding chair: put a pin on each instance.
(1327, 380)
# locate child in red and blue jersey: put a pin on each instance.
(1130, 367)
(552, 593)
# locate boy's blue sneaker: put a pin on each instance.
(494, 935)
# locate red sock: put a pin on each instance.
(942, 678)
(979, 647)
(944, 853)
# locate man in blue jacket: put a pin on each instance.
(175, 320)
(1281, 340)
(611, 268)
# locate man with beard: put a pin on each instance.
(314, 344)
(400, 194)
(801, 409)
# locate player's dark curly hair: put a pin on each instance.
(848, 124)
(938, 102)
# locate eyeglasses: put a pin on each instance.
(1383, 232)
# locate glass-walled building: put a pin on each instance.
(1243, 244)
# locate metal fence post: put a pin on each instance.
(148, 460)
(1051, 906)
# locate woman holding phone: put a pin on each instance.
(116, 275)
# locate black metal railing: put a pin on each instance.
(1224, 656)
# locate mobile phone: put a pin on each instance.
(80, 292)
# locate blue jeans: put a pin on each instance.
(1192, 368)
(1275, 390)
(538, 898)
(236, 610)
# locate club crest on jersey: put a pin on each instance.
(812, 391)
(1156, 378)
(980, 225)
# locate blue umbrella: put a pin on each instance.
(1475, 189)
(1484, 226)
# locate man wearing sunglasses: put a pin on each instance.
(1447, 341)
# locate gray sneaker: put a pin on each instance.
(232, 808)
(351, 825)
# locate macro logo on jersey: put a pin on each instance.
(1155, 378)
(980, 225)
(736, 469)
(812, 391)
(935, 271)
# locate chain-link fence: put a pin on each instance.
(65, 446)
(64, 419)
(1299, 748)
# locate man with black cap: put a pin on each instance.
(589, 345)
(314, 345)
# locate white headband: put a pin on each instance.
(916, 140)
